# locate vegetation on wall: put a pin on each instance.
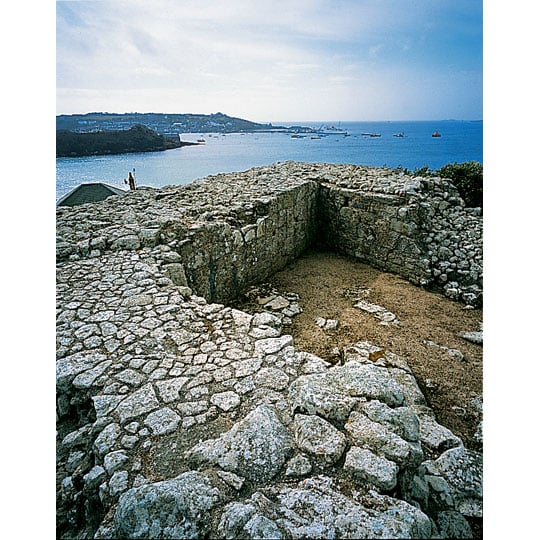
(468, 178)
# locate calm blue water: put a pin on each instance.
(461, 141)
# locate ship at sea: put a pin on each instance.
(331, 130)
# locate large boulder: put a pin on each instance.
(319, 438)
(333, 393)
(255, 447)
(175, 508)
(453, 482)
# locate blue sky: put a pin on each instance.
(272, 60)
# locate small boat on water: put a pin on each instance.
(297, 136)
(201, 141)
(371, 134)
(436, 134)
(400, 134)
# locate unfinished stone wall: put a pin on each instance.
(220, 260)
(417, 228)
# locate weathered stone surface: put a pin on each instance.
(435, 436)
(327, 324)
(310, 363)
(162, 421)
(256, 447)
(272, 345)
(140, 402)
(367, 380)
(473, 337)
(319, 438)
(93, 478)
(334, 393)
(272, 378)
(382, 314)
(169, 390)
(69, 367)
(377, 437)
(131, 377)
(463, 470)
(316, 509)
(226, 400)
(453, 525)
(174, 508)
(365, 465)
(401, 420)
(106, 440)
(312, 394)
(115, 460)
(298, 466)
(118, 483)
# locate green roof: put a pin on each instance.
(85, 193)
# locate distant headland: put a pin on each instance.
(135, 139)
(167, 125)
(100, 133)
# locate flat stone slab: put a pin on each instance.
(226, 400)
(162, 421)
(140, 402)
(435, 436)
(377, 437)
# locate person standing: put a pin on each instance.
(131, 180)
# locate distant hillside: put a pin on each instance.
(163, 124)
(136, 139)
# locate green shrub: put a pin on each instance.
(468, 178)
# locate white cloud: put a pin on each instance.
(261, 59)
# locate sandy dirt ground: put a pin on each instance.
(328, 286)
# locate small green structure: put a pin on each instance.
(91, 192)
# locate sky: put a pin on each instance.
(272, 60)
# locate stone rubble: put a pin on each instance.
(180, 417)
(265, 299)
(382, 314)
(455, 354)
(327, 324)
(476, 337)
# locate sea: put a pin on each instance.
(460, 141)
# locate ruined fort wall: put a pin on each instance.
(227, 232)
(377, 229)
(423, 233)
(220, 260)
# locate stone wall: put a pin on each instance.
(220, 260)
(420, 231)
(378, 229)
(229, 231)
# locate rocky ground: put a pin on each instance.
(181, 417)
(425, 332)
